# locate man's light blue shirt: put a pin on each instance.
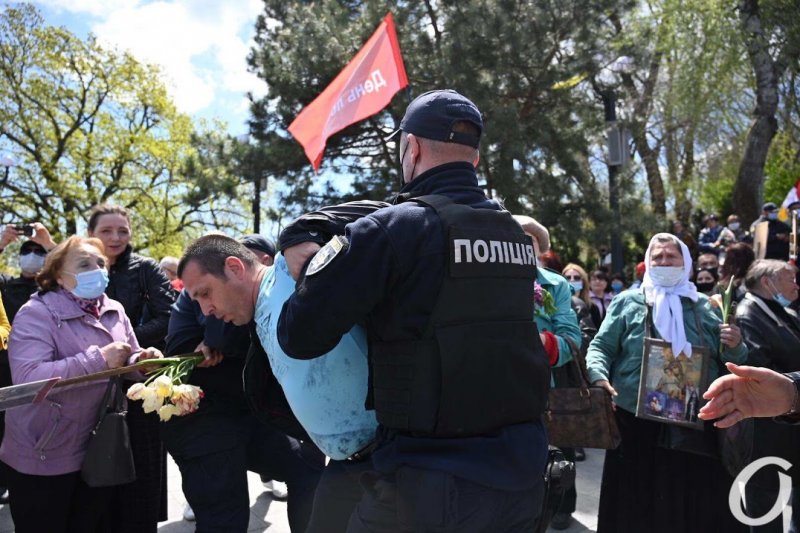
(327, 393)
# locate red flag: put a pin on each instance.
(365, 86)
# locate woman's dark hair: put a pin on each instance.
(106, 209)
(738, 258)
(603, 276)
(619, 275)
(712, 271)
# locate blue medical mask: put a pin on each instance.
(779, 297)
(772, 215)
(577, 286)
(617, 286)
(664, 276)
(734, 226)
(91, 284)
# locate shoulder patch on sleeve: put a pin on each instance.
(327, 254)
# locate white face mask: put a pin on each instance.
(733, 226)
(664, 276)
(31, 263)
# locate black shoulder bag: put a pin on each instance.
(108, 459)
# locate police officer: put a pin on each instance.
(443, 282)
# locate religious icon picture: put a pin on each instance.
(670, 386)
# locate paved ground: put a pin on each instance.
(268, 515)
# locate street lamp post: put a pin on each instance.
(614, 164)
(617, 151)
(259, 182)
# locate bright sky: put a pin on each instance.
(201, 45)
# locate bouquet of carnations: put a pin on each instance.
(165, 392)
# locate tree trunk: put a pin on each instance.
(658, 197)
(748, 190)
(643, 103)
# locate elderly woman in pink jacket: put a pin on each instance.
(68, 329)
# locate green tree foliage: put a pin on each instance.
(538, 71)
(771, 30)
(86, 125)
(515, 59)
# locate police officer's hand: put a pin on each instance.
(605, 384)
(42, 236)
(297, 255)
(212, 356)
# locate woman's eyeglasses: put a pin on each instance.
(573, 278)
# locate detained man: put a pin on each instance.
(327, 394)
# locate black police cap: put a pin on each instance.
(432, 115)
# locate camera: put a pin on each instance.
(25, 229)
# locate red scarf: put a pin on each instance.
(88, 306)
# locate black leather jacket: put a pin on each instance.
(774, 345)
(144, 291)
(771, 344)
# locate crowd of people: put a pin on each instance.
(390, 362)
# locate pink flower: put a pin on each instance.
(538, 294)
(135, 391)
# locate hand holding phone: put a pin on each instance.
(25, 229)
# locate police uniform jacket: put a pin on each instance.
(388, 278)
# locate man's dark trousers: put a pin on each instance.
(215, 481)
(429, 500)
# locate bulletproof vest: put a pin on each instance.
(479, 365)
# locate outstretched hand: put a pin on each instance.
(747, 392)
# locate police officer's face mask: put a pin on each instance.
(402, 164)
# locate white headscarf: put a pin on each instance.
(666, 301)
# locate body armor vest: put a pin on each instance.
(480, 364)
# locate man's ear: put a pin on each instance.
(413, 146)
(477, 160)
(235, 267)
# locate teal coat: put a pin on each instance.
(564, 322)
(615, 354)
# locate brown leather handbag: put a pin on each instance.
(581, 417)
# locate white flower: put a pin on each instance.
(150, 400)
(163, 385)
(166, 411)
(135, 391)
(186, 397)
(165, 394)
